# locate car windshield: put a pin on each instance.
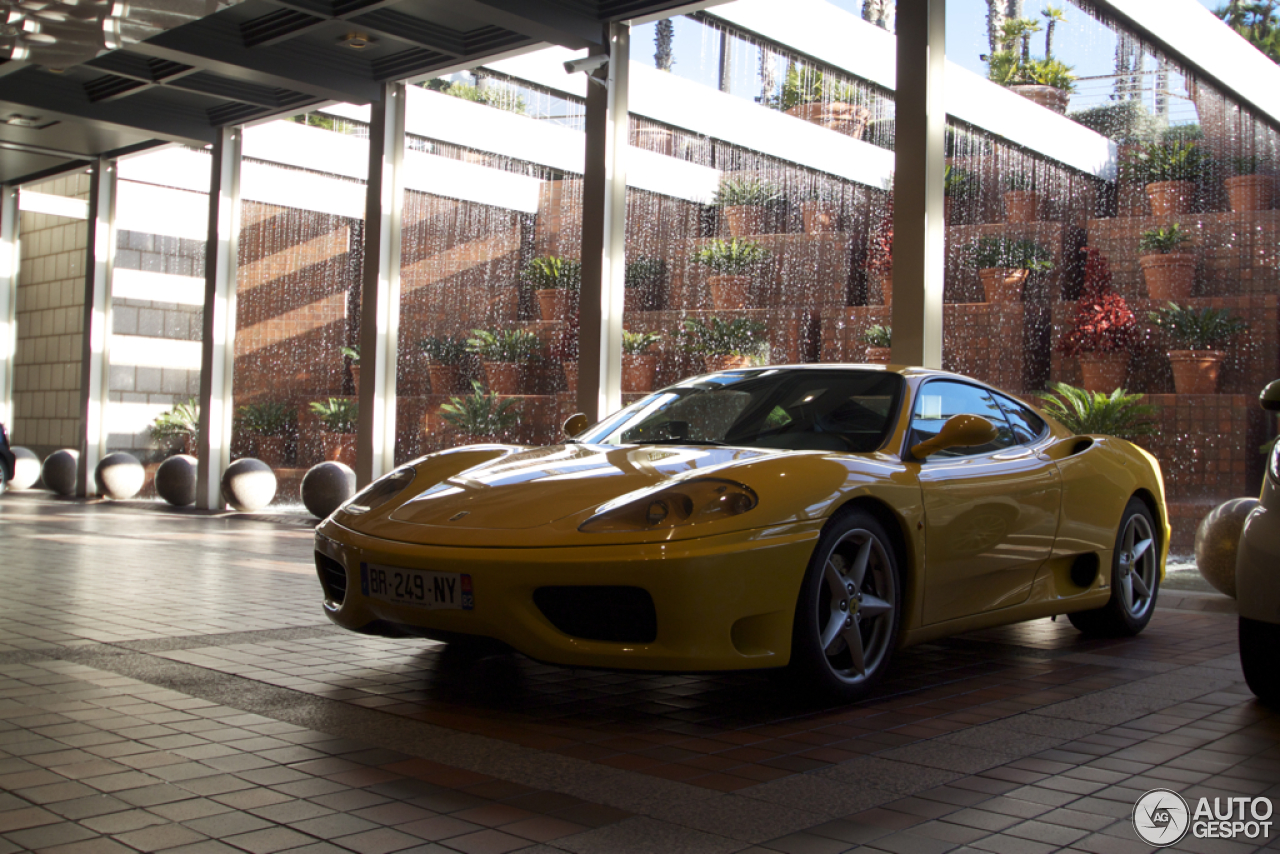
(809, 409)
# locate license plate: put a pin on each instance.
(420, 587)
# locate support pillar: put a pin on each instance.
(380, 289)
(218, 342)
(604, 224)
(96, 336)
(9, 236)
(918, 235)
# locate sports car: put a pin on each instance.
(810, 517)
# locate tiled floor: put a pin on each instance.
(168, 683)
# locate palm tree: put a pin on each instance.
(666, 32)
(1053, 16)
(878, 12)
(1256, 23)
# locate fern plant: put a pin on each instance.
(182, 420)
(1116, 414)
(337, 414)
(731, 257)
(734, 192)
(1197, 329)
(481, 413)
(267, 418)
(506, 345)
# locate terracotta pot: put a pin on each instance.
(726, 362)
(1170, 276)
(553, 303)
(1196, 371)
(1250, 192)
(355, 380)
(848, 119)
(638, 371)
(729, 292)
(270, 449)
(1170, 198)
(1021, 206)
(339, 447)
(744, 219)
(503, 377)
(571, 376)
(444, 378)
(1003, 284)
(820, 217)
(879, 355)
(1049, 97)
(1103, 372)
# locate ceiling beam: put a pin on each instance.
(541, 21)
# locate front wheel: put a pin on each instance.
(1135, 579)
(1258, 644)
(849, 611)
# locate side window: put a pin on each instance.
(941, 399)
(1027, 426)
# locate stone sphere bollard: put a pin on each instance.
(27, 469)
(248, 485)
(119, 476)
(59, 471)
(176, 480)
(1218, 539)
(326, 486)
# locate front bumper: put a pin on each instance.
(1258, 561)
(722, 603)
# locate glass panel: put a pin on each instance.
(939, 400)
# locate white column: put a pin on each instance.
(604, 223)
(95, 356)
(9, 230)
(380, 290)
(918, 235)
(218, 341)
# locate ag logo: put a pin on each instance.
(1161, 817)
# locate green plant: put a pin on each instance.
(481, 413)
(1052, 72)
(1084, 412)
(1162, 241)
(1011, 67)
(266, 419)
(733, 192)
(550, 272)
(182, 420)
(958, 183)
(877, 336)
(1245, 164)
(645, 272)
(507, 345)
(1171, 161)
(337, 414)
(1025, 254)
(1124, 122)
(718, 337)
(807, 85)
(1017, 182)
(636, 343)
(443, 351)
(352, 353)
(732, 257)
(1196, 329)
(494, 94)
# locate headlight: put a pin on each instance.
(380, 491)
(686, 503)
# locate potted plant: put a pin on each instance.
(1048, 82)
(480, 416)
(639, 362)
(504, 354)
(725, 344)
(1102, 330)
(1004, 263)
(269, 423)
(820, 210)
(1086, 412)
(177, 426)
(807, 94)
(958, 185)
(879, 341)
(352, 354)
(444, 358)
(1169, 171)
(731, 263)
(338, 417)
(644, 278)
(1194, 336)
(556, 282)
(1169, 273)
(743, 202)
(1021, 200)
(1247, 188)
(565, 349)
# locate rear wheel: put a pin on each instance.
(1135, 579)
(1258, 644)
(849, 611)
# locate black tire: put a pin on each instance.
(823, 661)
(1135, 579)
(1258, 644)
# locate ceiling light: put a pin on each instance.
(356, 41)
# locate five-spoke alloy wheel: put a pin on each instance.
(1135, 578)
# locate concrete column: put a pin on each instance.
(604, 224)
(380, 290)
(9, 231)
(95, 356)
(918, 235)
(218, 342)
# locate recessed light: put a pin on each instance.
(356, 41)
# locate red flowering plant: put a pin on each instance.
(1103, 321)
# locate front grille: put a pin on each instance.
(618, 614)
(333, 578)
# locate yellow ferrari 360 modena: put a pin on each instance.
(809, 517)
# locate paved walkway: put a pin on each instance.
(168, 683)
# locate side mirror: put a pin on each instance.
(1270, 397)
(575, 424)
(960, 431)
